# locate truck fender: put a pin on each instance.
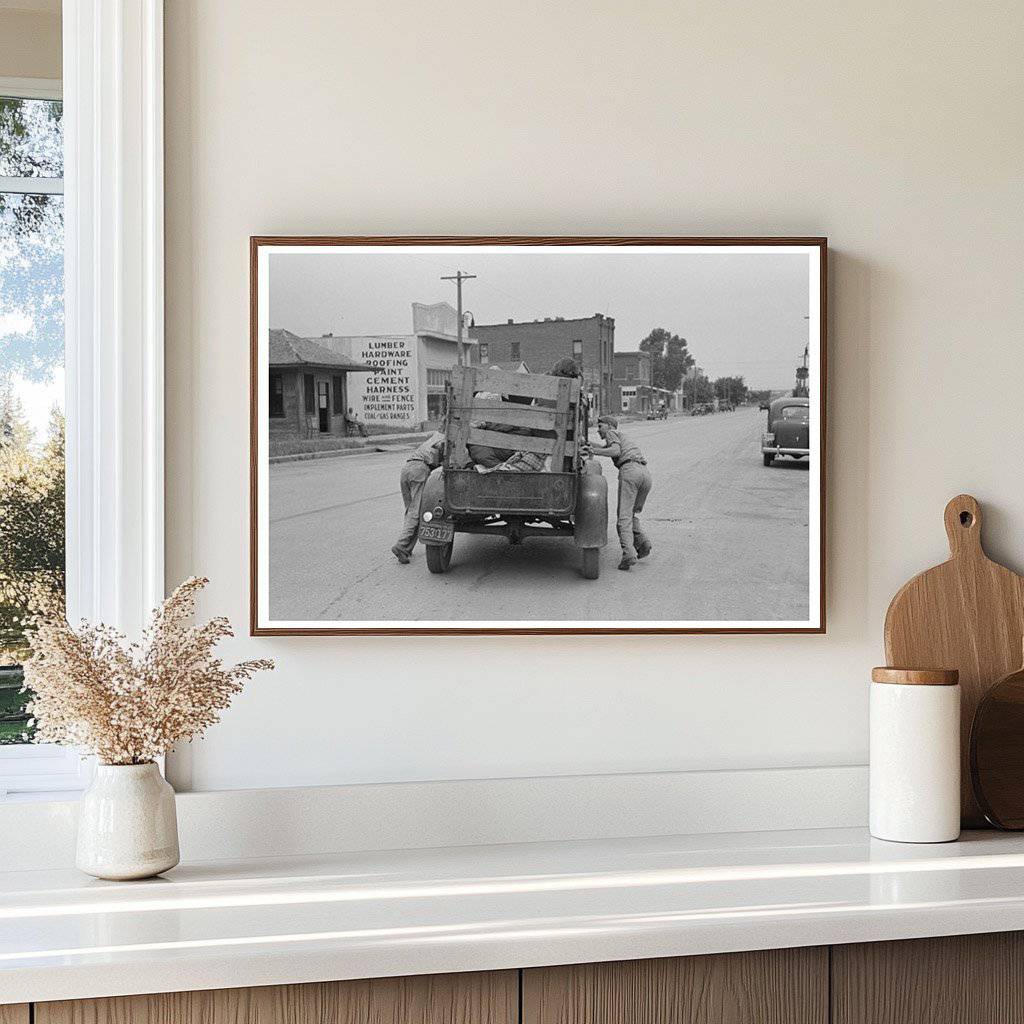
(433, 492)
(591, 519)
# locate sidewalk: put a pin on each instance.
(358, 446)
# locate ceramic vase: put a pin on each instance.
(127, 826)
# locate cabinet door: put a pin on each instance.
(779, 986)
(490, 998)
(962, 979)
(14, 1013)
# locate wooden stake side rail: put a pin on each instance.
(521, 442)
(472, 402)
(494, 409)
(505, 382)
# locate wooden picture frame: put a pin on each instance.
(814, 378)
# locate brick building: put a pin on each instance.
(541, 343)
(633, 374)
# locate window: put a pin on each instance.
(437, 378)
(112, 228)
(514, 353)
(309, 393)
(485, 355)
(32, 540)
(276, 395)
(796, 412)
(577, 347)
(436, 406)
(338, 388)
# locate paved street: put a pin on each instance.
(730, 541)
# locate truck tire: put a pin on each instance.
(439, 557)
(591, 563)
(768, 459)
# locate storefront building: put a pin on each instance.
(309, 388)
(633, 377)
(407, 392)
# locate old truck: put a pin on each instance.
(491, 414)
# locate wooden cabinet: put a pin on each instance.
(779, 986)
(967, 979)
(963, 979)
(491, 998)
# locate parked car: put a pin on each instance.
(788, 431)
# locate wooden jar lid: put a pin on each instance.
(916, 676)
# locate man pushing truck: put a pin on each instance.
(634, 486)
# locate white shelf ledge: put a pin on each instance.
(353, 915)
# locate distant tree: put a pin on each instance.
(670, 358)
(697, 389)
(15, 432)
(759, 396)
(731, 389)
(31, 524)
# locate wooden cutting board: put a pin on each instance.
(967, 614)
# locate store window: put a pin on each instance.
(276, 395)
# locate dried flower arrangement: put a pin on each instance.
(129, 703)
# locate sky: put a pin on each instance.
(742, 314)
(38, 398)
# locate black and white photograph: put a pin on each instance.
(537, 435)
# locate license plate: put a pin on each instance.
(441, 532)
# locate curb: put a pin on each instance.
(371, 448)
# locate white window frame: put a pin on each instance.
(114, 322)
(35, 768)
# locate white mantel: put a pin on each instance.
(266, 921)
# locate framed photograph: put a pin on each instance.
(537, 435)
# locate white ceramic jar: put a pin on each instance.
(915, 755)
(127, 825)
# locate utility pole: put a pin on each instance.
(458, 278)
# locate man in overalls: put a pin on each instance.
(412, 480)
(634, 486)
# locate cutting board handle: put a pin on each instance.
(963, 526)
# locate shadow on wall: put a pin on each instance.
(851, 283)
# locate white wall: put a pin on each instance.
(30, 39)
(895, 129)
